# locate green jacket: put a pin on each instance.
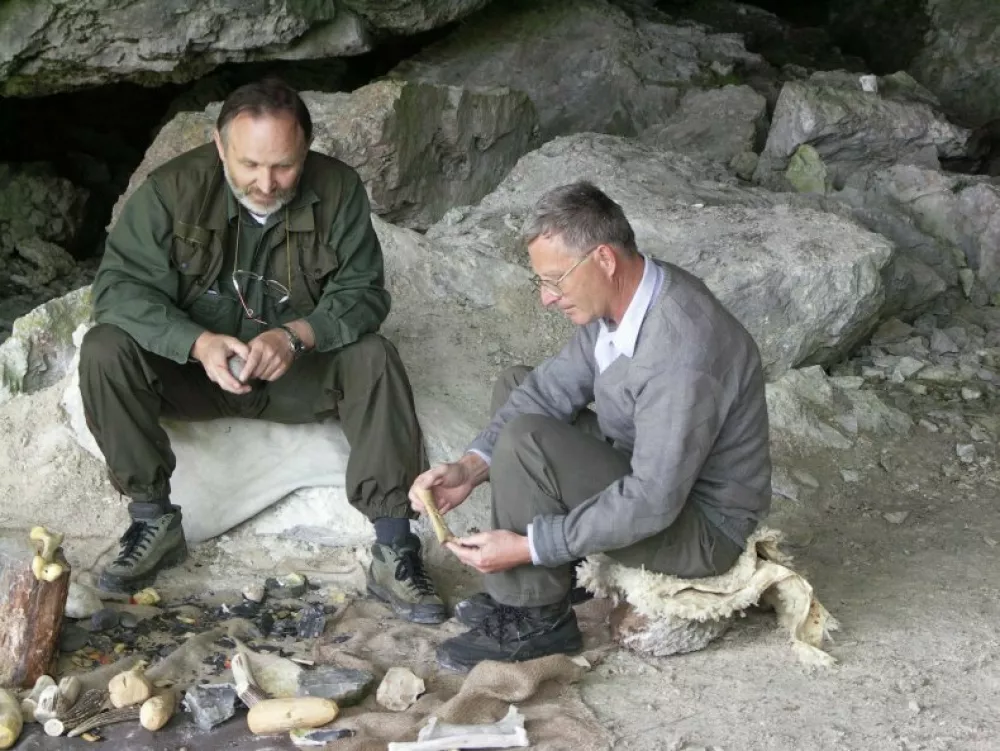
(162, 269)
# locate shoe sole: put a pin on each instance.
(406, 612)
(120, 585)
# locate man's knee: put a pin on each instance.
(103, 345)
(372, 353)
(518, 438)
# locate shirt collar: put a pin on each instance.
(626, 334)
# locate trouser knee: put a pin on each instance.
(103, 345)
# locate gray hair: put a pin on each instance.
(583, 216)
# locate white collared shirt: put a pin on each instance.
(614, 343)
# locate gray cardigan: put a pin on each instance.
(688, 407)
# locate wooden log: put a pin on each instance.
(31, 613)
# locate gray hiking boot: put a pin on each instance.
(154, 541)
(397, 577)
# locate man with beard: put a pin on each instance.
(254, 250)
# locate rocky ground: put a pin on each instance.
(896, 531)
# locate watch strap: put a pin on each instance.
(298, 347)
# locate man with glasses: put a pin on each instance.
(244, 278)
(671, 474)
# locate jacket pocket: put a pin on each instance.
(191, 256)
(316, 265)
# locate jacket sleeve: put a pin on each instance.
(135, 287)
(678, 416)
(559, 387)
(354, 300)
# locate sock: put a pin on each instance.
(388, 529)
(148, 511)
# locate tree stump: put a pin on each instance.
(31, 614)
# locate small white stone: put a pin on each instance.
(978, 434)
(399, 689)
(896, 517)
(805, 478)
(236, 364)
(966, 453)
(971, 394)
(81, 601)
(850, 475)
(928, 426)
(913, 706)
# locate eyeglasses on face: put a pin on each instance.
(552, 287)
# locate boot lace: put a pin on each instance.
(495, 624)
(135, 542)
(411, 568)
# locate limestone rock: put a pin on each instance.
(49, 260)
(40, 350)
(951, 46)
(664, 636)
(423, 148)
(420, 148)
(856, 131)
(411, 16)
(36, 203)
(805, 408)
(806, 284)
(48, 46)
(717, 124)
(961, 212)
(345, 686)
(588, 65)
(399, 689)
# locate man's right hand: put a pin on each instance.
(450, 483)
(213, 352)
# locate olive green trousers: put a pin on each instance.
(126, 390)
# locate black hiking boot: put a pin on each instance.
(397, 577)
(513, 634)
(154, 541)
(473, 611)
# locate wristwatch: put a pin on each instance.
(295, 341)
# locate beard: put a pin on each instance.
(276, 200)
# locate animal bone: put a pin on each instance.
(87, 706)
(70, 687)
(437, 521)
(281, 715)
(156, 711)
(50, 542)
(29, 705)
(112, 716)
(43, 571)
(130, 687)
(246, 687)
(507, 733)
(50, 703)
(11, 722)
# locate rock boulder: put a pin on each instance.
(588, 65)
(420, 148)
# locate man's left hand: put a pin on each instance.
(490, 552)
(270, 356)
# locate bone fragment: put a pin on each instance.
(112, 716)
(437, 521)
(438, 736)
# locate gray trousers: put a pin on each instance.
(541, 465)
